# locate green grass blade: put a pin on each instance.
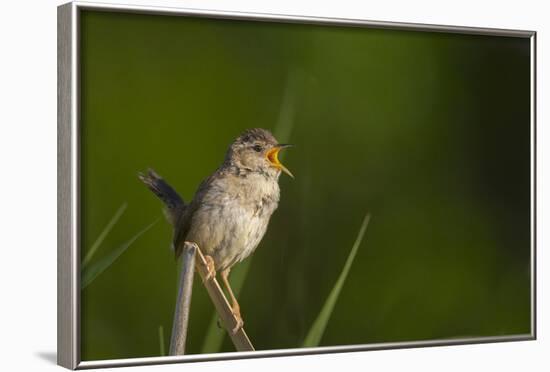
(103, 235)
(282, 130)
(161, 341)
(93, 270)
(317, 330)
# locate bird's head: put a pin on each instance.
(257, 150)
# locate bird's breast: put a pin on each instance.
(232, 220)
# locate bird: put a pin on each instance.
(231, 209)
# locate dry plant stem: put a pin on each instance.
(183, 304)
(230, 322)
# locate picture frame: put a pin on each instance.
(69, 180)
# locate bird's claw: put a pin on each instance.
(238, 326)
(237, 314)
(211, 274)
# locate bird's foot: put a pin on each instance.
(211, 274)
(236, 310)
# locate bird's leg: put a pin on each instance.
(211, 268)
(235, 308)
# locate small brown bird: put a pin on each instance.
(229, 214)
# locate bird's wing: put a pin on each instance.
(181, 228)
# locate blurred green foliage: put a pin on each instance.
(317, 330)
(429, 132)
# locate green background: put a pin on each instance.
(429, 132)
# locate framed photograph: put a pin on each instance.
(235, 185)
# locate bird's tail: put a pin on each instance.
(172, 201)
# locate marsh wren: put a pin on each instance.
(230, 211)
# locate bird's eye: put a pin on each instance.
(257, 148)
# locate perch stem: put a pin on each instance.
(239, 338)
(183, 304)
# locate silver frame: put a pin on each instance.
(68, 177)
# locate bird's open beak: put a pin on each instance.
(272, 154)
